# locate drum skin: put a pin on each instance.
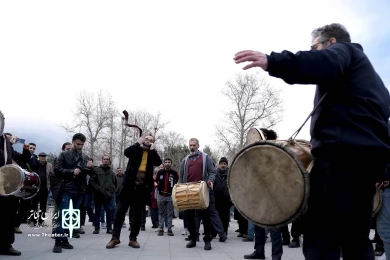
(191, 195)
(14, 181)
(269, 183)
(253, 136)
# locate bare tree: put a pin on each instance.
(174, 147)
(213, 154)
(94, 113)
(254, 102)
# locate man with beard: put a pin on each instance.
(166, 178)
(136, 189)
(349, 138)
(198, 166)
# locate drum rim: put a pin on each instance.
(305, 176)
(38, 188)
(21, 185)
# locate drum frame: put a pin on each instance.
(202, 184)
(305, 175)
(18, 193)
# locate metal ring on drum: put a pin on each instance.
(269, 181)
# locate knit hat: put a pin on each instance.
(224, 159)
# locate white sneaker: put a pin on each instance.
(103, 225)
(124, 225)
(185, 232)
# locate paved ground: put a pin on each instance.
(91, 246)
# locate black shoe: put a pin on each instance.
(254, 255)
(97, 231)
(161, 232)
(109, 231)
(81, 231)
(170, 233)
(10, 251)
(76, 235)
(247, 239)
(238, 230)
(223, 238)
(294, 244)
(191, 244)
(57, 247)
(154, 226)
(66, 245)
(207, 245)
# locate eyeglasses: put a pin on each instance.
(315, 45)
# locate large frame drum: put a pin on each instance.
(269, 181)
(14, 181)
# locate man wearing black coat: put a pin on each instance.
(137, 187)
(350, 142)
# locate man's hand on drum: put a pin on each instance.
(257, 58)
(210, 184)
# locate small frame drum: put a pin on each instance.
(14, 181)
(254, 135)
(192, 195)
(269, 181)
(377, 201)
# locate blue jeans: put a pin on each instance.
(65, 201)
(383, 221)
(276, 237)
(107, 206)
(88, 206)
(251, 230)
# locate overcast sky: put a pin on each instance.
(169, 56)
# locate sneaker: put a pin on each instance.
(161, 232)
(66, 245)
(185, 232)
(103, 225)
(124, 225)
(170, 233)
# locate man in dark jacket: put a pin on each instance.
(71, 168)
(223, 202)
(104, 185)
(350, 143)
(9, 203)
(137, 187)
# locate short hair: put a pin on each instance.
(334, 30)
(33, 144)
(109, 158)
(194, 139)
(65, 144)
(168, 159)
(271, 134)
(8, 134)
(79, 136)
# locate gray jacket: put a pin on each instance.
(208, 169)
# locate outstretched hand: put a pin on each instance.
(257, 58)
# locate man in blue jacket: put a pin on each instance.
(350, 143)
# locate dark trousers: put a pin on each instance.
(276, 238)
(41, 199)
(7, 217)
(120, 215)
(242, 223)
(340, 207)
(296, 231)
(223, 209)
(191, 222)
(154, 212)
(143, 215)
(24, 207)
(108, 208)
(86, 208)
(215, 219)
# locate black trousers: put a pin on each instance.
(340, 207)
(242, 223)
(120, 215)
(205, 217)
(143, 217)
(296, 231)
(7, 218)
(24, 207)
(41, 199)
(223, 209)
